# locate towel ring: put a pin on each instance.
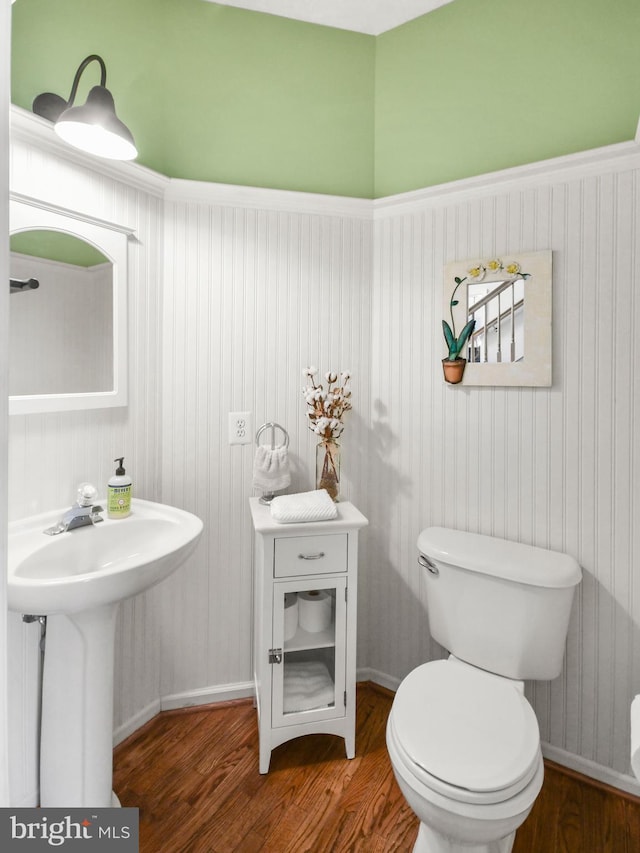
(273, 426)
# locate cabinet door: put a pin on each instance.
(309, 639)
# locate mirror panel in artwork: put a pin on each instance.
(498, 309)
(508, 303)
(67, 311)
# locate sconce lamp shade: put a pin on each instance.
(94, 127)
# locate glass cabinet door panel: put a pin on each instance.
(309, 627)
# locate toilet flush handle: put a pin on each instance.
(428, 565)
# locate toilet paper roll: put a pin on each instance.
(314, 610)
(290, 614)
(635, 736)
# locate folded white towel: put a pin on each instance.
(305, 506)
(271, 468)
(307, 685)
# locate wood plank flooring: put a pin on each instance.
(194, 776)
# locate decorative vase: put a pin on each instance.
(328, 467)
(453, 370)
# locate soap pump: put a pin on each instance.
(119, 492)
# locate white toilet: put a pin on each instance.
(463, 740)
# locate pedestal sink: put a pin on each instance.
(77, 579)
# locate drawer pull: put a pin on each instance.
(317, 556)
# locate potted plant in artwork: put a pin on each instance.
(325, 409)
(453, 365)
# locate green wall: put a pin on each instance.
(220, 94)
(211, 92)
(50, 40)
(481, 85)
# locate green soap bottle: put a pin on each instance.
(119, 492)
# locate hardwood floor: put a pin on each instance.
(194, 776)
(574, 814)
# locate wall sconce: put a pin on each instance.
(93, 127)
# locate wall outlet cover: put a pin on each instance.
(240, 427)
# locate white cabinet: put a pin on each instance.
(305, 607)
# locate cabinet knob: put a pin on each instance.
(317, 556)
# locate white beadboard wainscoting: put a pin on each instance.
(252, 297)
(49, 454)
(232, 292)
(555, 467)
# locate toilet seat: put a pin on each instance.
(468, 735)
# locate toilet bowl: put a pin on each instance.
(465, 749)
(463, 740)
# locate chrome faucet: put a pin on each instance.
(83, 512)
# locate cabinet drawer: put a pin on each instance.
(310, 555)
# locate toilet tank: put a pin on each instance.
(499, 605)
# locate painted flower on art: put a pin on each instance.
(477, 272)
(494, 266)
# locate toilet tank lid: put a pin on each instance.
(501, 558)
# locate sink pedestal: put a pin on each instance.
(77, 579)
(76, 757)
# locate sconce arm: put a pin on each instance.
(82, 66)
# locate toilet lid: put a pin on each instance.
(468, 728)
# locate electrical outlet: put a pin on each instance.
(240, 428)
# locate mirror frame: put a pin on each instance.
(535, 368)
(27, 214)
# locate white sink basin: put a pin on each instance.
(98, 564)
(77, 580)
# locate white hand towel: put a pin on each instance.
(305, 506)
(307, 685)
(271, 469)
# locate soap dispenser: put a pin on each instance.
(119, 492)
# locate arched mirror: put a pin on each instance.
(67, 311)
(507, 303)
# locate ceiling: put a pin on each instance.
(364, 16)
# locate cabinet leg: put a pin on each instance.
(265, 759)
(350, 745)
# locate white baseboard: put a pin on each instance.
(592, 769)
(381, 678)
(207, 695)
(133, 723)
(188, 699)
(218, 693)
